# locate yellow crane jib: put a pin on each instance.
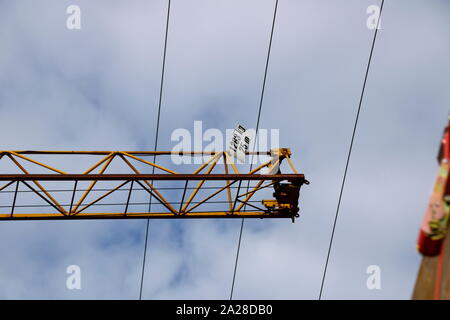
(33, 187)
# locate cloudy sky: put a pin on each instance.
(98, 88)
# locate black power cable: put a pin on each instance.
(350, 151)
(256, 135)
(156, 143)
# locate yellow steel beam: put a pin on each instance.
(158, 196)
(136, 153)
(95, 166)
(60, 208)
(101, 197)
(143, 215)
(93, 183)
(230, 201)
(148, 162)
(227, 186)
(37, 162)
(231, 162)
(272, 168)
(199, 185)
(79, 209)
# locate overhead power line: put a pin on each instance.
(350, 152)
(256, 135)
(156, 142)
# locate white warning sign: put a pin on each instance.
(239, 143)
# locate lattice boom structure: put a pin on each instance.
(170, 193)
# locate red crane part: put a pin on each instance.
(435, 223)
